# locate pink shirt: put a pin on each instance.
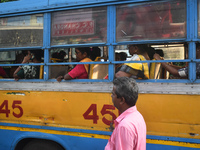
(129, 132)
(79, 72)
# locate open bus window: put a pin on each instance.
(152, 20)
(26, 58)
(60, 55)
(79, 26)
(21, 31)
(95, 54)
(29, 68)
(139, 52)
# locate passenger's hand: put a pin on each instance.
(59, 79)
(156, 56)
(27, 59)
(16, 78)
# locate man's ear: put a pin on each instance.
(122, 101)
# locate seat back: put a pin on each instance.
(155, 71)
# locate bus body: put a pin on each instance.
(79, 114)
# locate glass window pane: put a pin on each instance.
(21, 31)
(79, 26)
(157, 20)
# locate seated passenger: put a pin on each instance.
(176, 70)
(95, 53)
(28, 71)
(119, 57)
(81, 70)
(135, 70)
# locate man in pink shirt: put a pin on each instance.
(130, 127)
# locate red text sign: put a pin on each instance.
(73, 28)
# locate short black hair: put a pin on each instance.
(127, 88)
(85, 49)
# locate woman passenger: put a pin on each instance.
(135, 70)
(81, 70)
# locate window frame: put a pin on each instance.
(191, 39)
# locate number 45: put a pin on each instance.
(15, 105)
(104, 111)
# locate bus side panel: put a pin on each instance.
(58, 109)
(165, 115)
(171, 115)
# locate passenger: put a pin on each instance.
(28, 71)
(3, 73)
(81, 70)
(176, 70)
(58, 56)
(119, 57)
(130, 127)
(135, 70)
(95, 53)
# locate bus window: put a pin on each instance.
(153, 20)
(79, 26)
(136, 52)
(94, 71)
(147, 51)
(21, 31)
(169, 52)
(29, 68)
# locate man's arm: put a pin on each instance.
(173, 70)
(122, 74)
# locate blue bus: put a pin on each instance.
(78, 114)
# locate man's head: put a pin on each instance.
(137, 49)
(125, 93)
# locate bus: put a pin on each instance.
(78, 114)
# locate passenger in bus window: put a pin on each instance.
(130, 126)
(3, 74)
(81, 70)
(121, 56)
(176, 70)
(135, 70)
(28, 71)
(95, 53)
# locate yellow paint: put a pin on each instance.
(79, 134)
(165, 115)
(173, 143)
(89, 135)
